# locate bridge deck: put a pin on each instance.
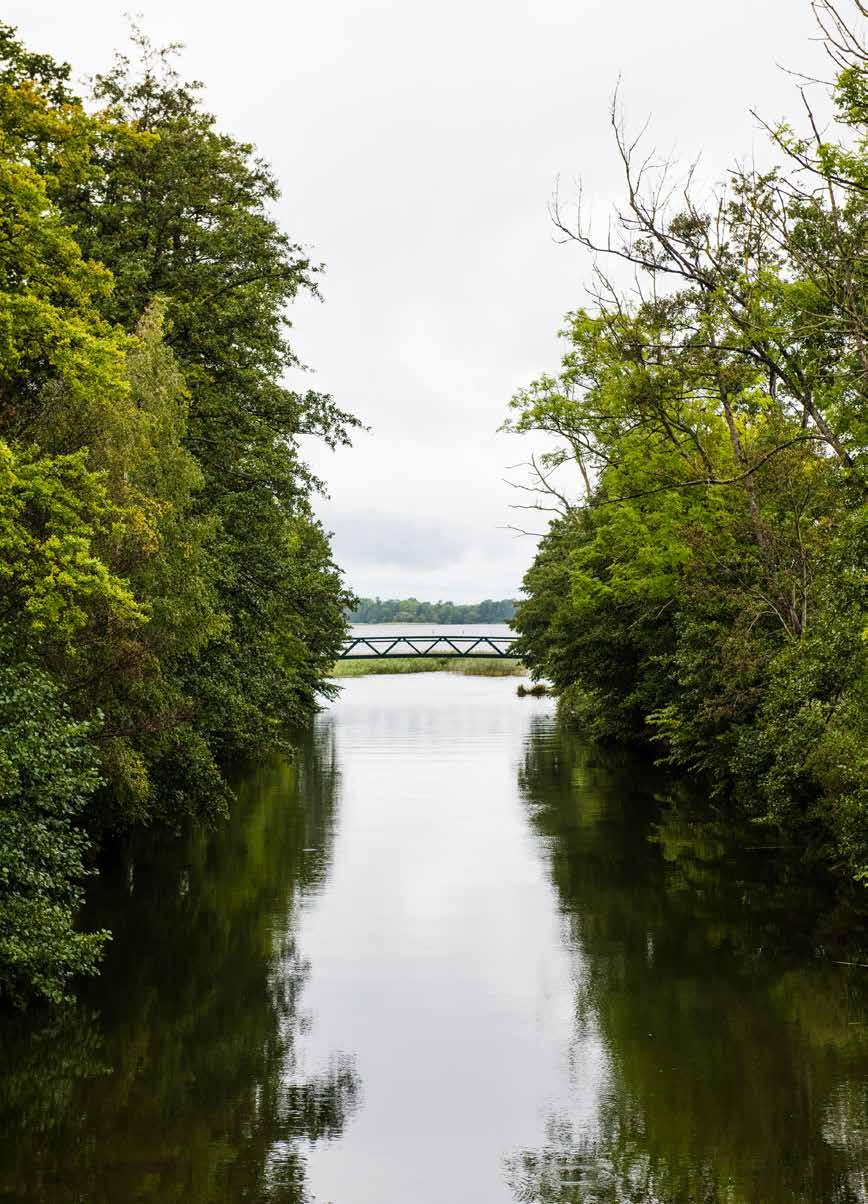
(365, 647)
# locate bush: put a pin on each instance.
(47, 773)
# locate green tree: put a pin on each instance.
(702, 590)
(162, 567)
(182, 211)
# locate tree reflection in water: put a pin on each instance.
(737, 1057)
(176, 1079)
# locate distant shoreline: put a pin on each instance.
(412, 610)
(421, 622)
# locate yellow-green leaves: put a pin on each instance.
(61, 364)
(57, 525)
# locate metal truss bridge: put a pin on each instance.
(362, 647)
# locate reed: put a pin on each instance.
(482, 667)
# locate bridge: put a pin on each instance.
(363, 647)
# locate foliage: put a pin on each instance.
(704, 591)
(411, 610)
(181, 211)
(161, 562)
(48, 769)
(54, 515)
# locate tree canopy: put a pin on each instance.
(700, 583)
(168, 599)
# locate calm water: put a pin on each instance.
(451, 958)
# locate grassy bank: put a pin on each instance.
(483, 667)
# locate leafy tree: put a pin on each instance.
(181, 211)
(61, 362)
(162, 568)
(702, 591)
(157, 759)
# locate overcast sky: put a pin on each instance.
(417, 145)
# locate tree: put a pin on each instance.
(164, 582)
(696, 586)
(181, 210)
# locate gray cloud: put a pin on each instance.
(368, 540)
(399, 555)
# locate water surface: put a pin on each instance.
(453, 955)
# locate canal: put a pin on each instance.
(453, 956)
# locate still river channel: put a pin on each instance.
(454, 956)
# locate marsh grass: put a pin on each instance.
(483, 667)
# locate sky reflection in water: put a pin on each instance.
(454, 956)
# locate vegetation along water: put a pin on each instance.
(411, 610)
(169, 602)
(276, 927)
(701, 587)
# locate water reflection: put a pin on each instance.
(178, 1080)
(737, 1065)
(553, 988)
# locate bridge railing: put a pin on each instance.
(361, 647)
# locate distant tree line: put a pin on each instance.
(411, 610)
(168, 600)
(701, 586)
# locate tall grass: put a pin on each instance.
(471, 667)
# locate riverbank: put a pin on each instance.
(470, 667)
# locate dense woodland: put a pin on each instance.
(168, 601)
(411, 610)
(700, 584)
(169, 606)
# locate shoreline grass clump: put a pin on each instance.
(539, 690)
(471, 667)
